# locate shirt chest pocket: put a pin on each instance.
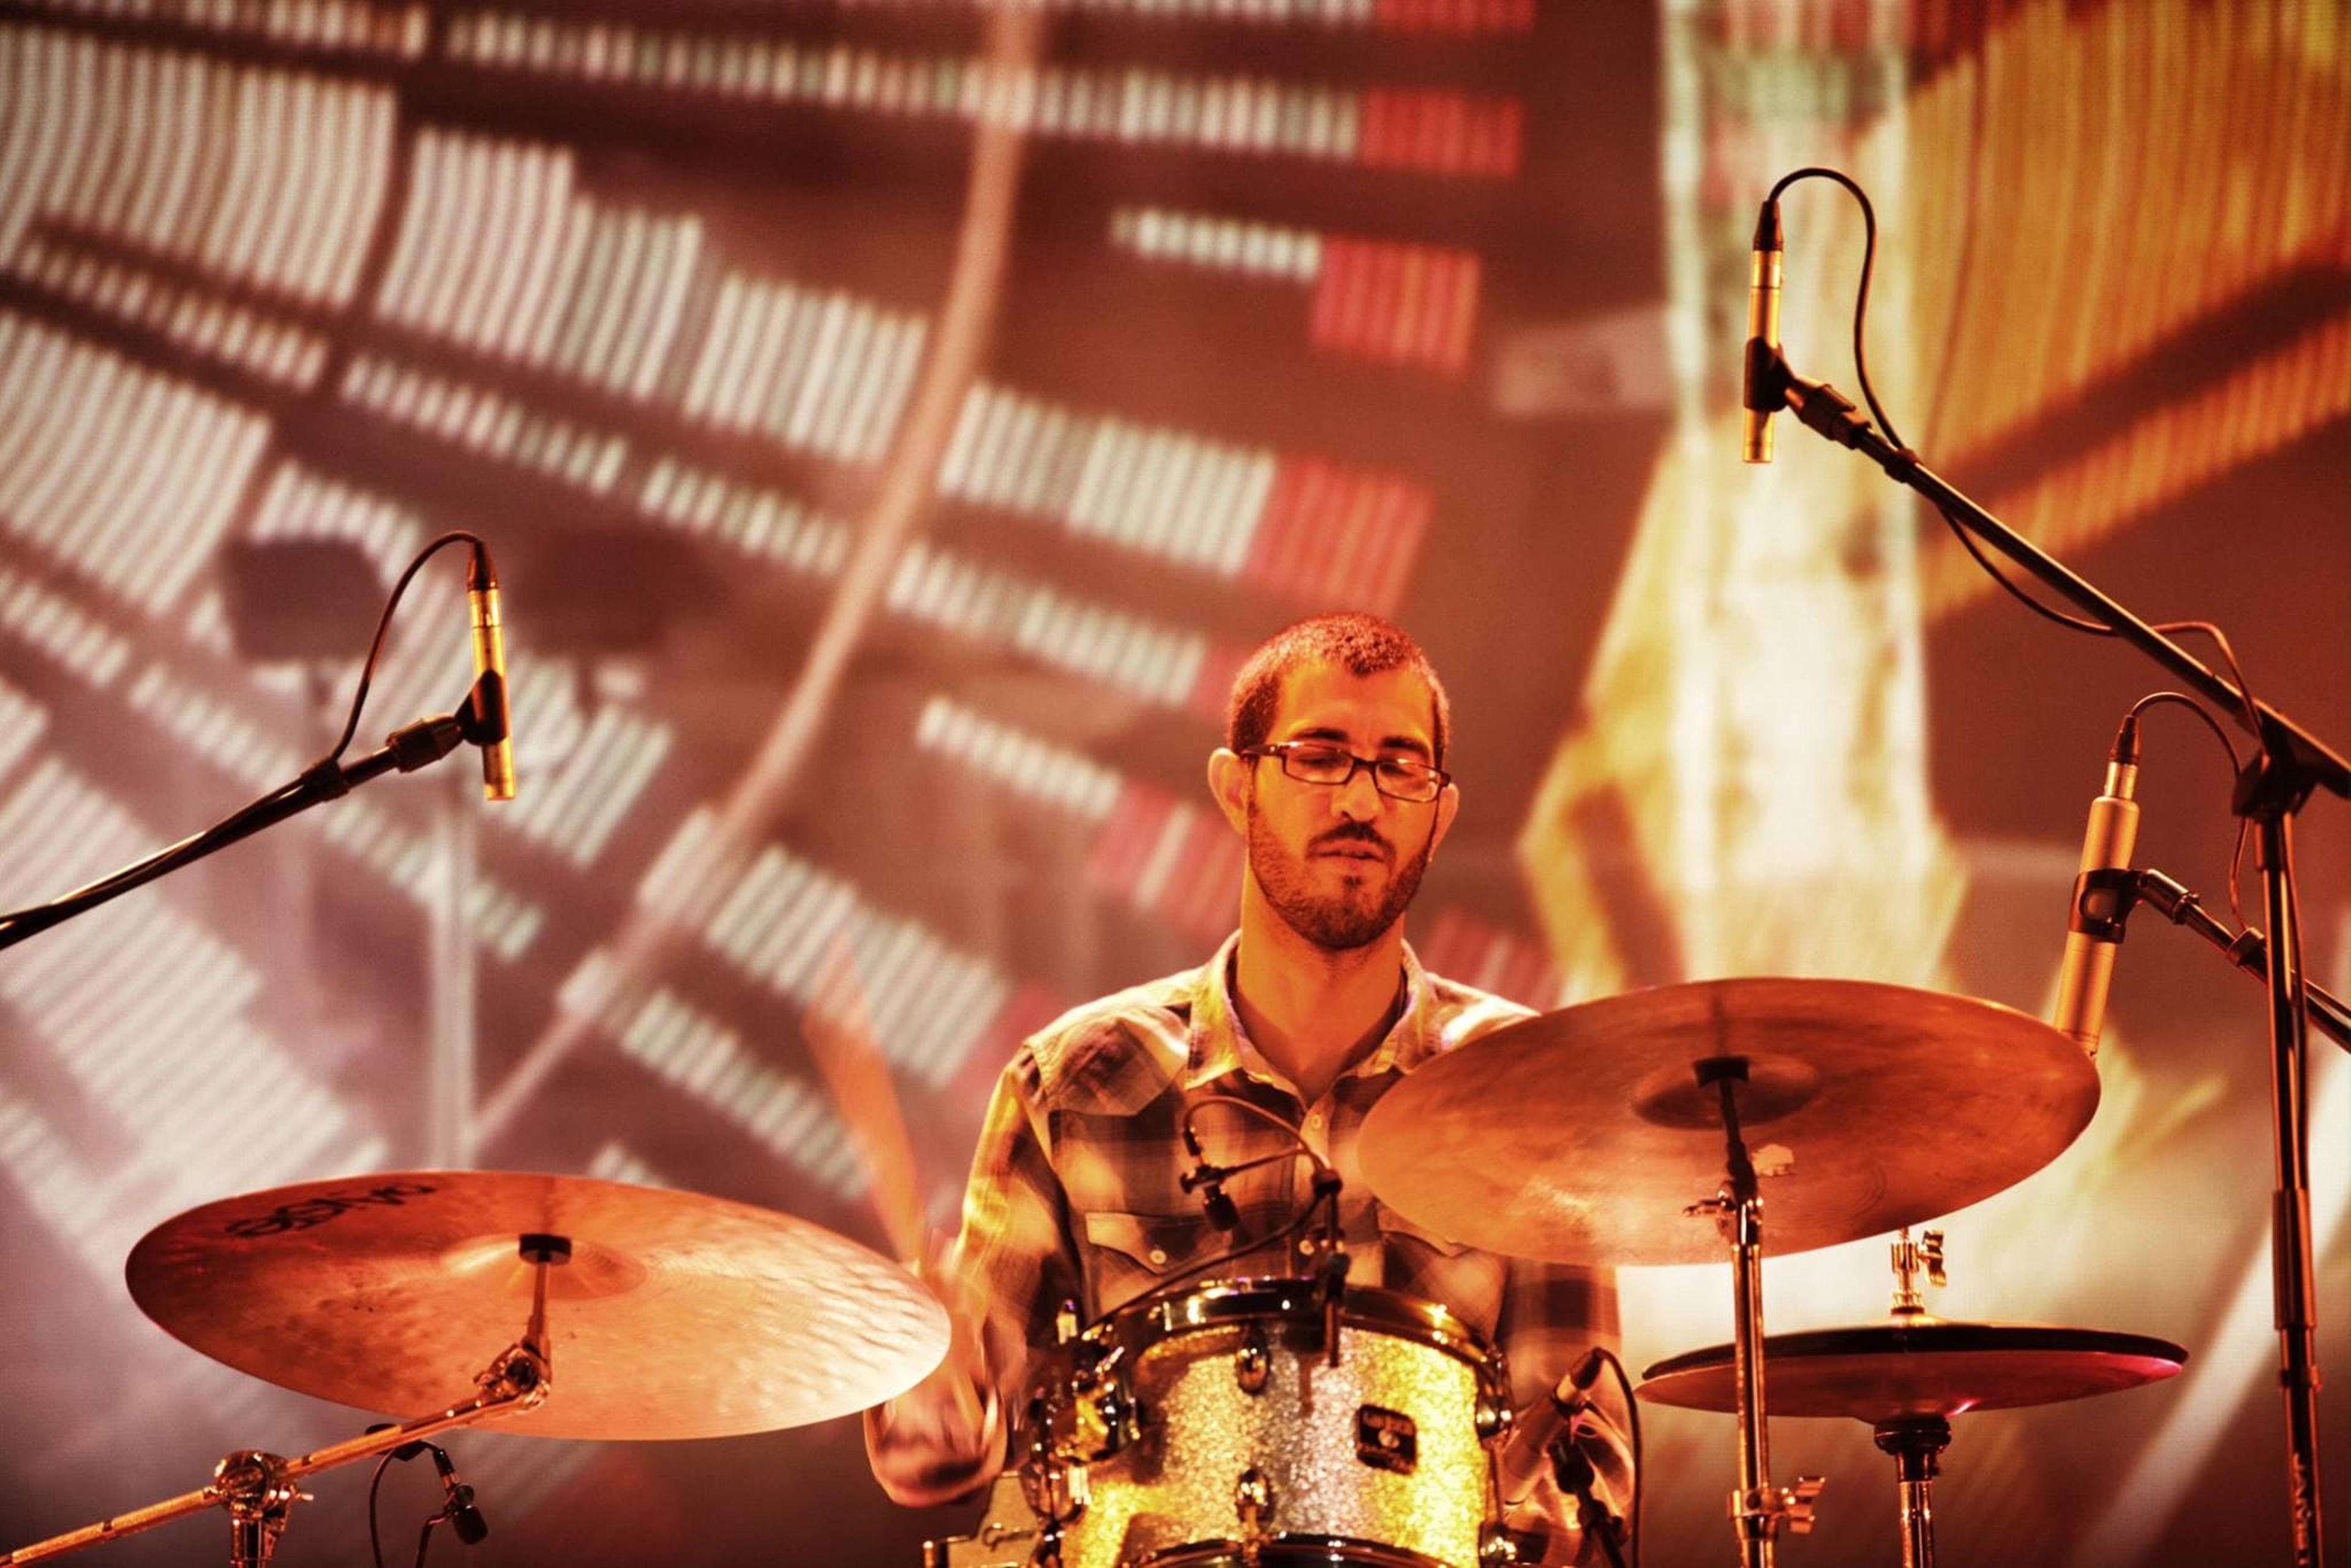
(1127, 1254)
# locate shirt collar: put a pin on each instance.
(1220, 1044)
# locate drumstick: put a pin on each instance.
(839, 1028)
(839, 1031)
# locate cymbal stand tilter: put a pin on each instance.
(259, 1489)
(1757, 1509)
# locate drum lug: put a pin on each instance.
(1494, 1418)
(1253, 1363)
(1495, 1547)
(1253, 1501)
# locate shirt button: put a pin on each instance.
(1159, 1254)
(1316, 1121)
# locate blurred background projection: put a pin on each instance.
(894, 422)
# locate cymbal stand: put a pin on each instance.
(1757, 1509)
(259, 1489)
(1917, 1445)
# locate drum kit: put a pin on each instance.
(1246, 1421)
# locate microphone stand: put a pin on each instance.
(2288, 764)
(405, 750)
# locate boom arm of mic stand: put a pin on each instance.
(1828, 412)
(2246, 949)
(415, 746)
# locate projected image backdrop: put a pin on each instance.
(895, 421)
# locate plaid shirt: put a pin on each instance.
(1076, 1192)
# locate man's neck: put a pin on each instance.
(1311, 1013)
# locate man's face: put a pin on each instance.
(1339, 864)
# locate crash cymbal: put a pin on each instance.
(676, 1316)
(1580, 1136)
(1902, 1371)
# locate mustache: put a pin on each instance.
(1353, 834)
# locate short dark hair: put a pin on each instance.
(1359, 644)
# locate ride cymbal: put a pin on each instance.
(1581, 1135)
(676, 1315)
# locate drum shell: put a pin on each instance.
(1163, 1409)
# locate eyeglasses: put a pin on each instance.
(1320, 762)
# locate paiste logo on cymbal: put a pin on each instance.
(317, 1210)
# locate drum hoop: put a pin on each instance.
(1371, 1554)
(1216, 1303)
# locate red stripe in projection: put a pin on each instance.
(1459, 17)
(1442, 132)
(1212, 691)
(1461, 328)
(1416, 508)
(1341, 579)
(1322, 311)
(1418, 284)
(1303, 480)
(1126, 839)
(1275, 539)
(1363, 556)
(1381, 293)
(1340, 292)
(1321, 524)
(1202, 901)
(1029, 1009)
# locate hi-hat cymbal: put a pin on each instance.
(1898, 1371)
(1580, 1136)
(676, 1316)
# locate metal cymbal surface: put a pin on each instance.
(1902, 1371)
(676, 1316)
(1580, 1136)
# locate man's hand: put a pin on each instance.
(944, 1437)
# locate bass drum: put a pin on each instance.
(1211, 1428)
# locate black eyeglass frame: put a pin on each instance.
(1281, 750)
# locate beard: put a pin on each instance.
(1354, 917)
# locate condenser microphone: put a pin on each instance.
(1761, 393)
(464, 1517)
(489, 723)
(2103, 891)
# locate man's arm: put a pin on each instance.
(1552, 1316)
(1006, 1272)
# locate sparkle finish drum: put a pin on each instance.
(1210, 1428)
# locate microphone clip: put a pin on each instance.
(2104, 897)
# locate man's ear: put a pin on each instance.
(1448, 806)
(1228, 781)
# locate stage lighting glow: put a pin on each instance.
(756, 521)
(575, 811)
(812, 370)
(1056, 776)
(1438, 130)
(707, 1060)
(194, 160)
(489, 422)
(129, 477)
(1112, 646)
(775, 919)
(2277, 399)
(1215, 243)
(1270, 517)
(1373, 298)
(2226, 168)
